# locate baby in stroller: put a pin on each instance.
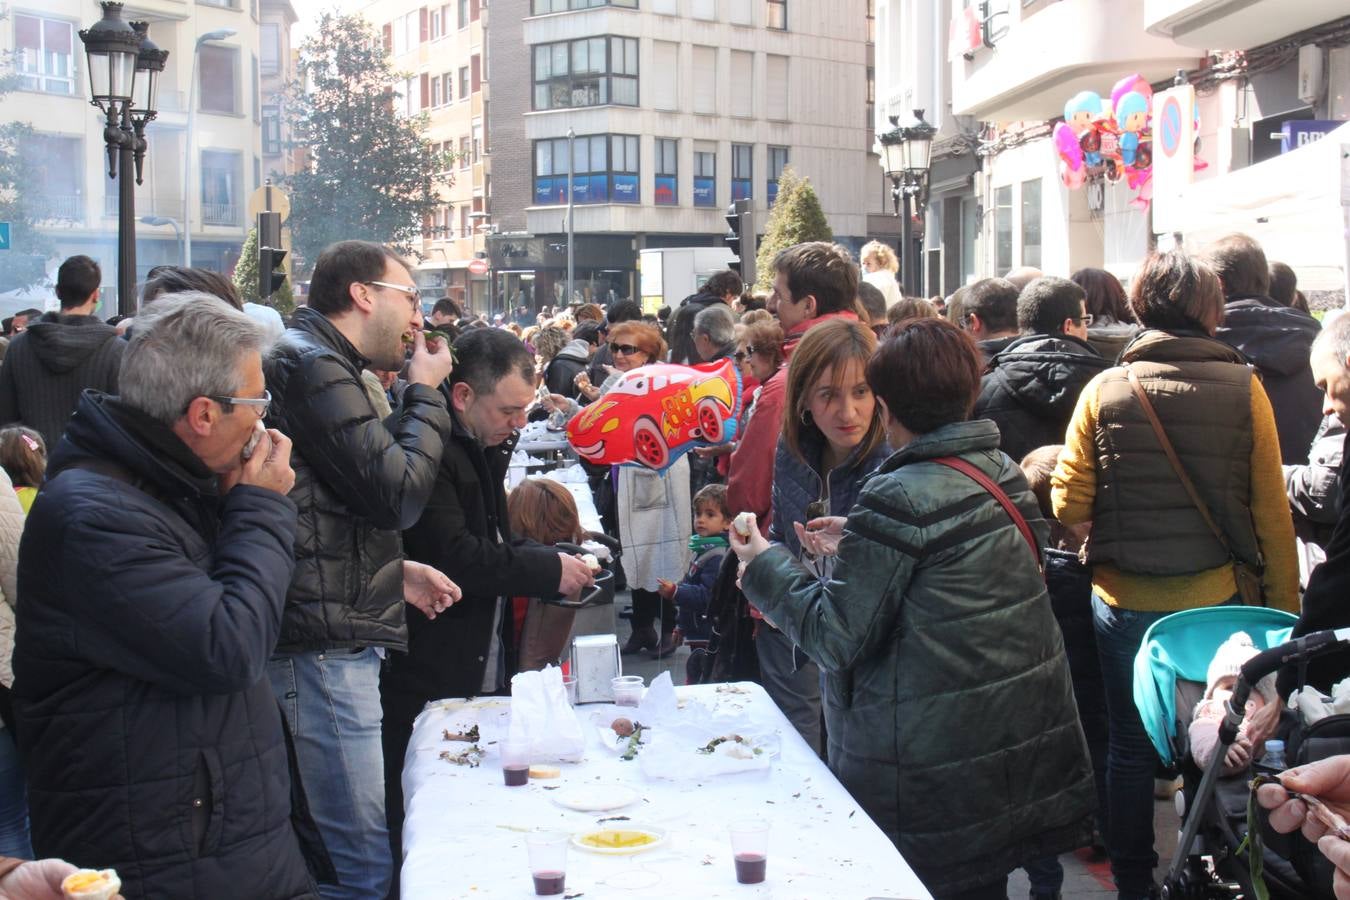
(1220, 678)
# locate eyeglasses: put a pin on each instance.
(740, 355)
(624, 349)
(260, 404)
(1085, 320)
(413, 294)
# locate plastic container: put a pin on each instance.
(1274, 758)
(627, 690)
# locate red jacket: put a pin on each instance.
(750, 483)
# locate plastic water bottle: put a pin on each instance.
(1274, 757)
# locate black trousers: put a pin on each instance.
(647, 605)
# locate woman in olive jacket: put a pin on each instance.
(948, 702)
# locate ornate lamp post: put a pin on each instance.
(124, 72)
(905, 155)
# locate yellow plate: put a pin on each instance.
(622, 840)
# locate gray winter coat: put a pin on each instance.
(948, 701)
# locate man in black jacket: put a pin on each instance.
(1031, 387)
(989, 313)
(560, 375)
(1275, 337)
(465, 533)
(359, 480)
(724, 287)
(59, 355)
(154, 569)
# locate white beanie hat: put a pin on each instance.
(1228, 661)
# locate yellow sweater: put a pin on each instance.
(1073, 491)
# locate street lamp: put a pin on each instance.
(165, 220)
(905, 155)
(219, 34)
(571, 256)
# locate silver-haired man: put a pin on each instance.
(154, 569)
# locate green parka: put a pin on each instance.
(948, 702)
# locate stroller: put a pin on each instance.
(1169, 680)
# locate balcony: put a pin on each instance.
(220, 214)
(1235, 24)
(1021, 79)
(59, 207)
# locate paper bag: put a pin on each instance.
(542, 717)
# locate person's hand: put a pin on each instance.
(821, 537)
(665, 588)
(582, 380)
(1261, 724)
(1239, 754)
(269, 467)
(428, 589)
(1328, 780)
(610, 369)
(747, 548)
(713, 451)
(426, 367)
(575, 574)
(38, 879)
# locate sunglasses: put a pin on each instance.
(624, 349)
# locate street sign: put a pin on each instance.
(4, 235)
(269, 198)
(1174, 167)
(478, 267)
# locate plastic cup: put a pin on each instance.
(548, 861)
(570, 685)
(515, 763)
(627, 690)
(750, 849)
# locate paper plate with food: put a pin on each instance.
(622, 735)
(691, 758)
(620, 841)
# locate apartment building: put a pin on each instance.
(276, 68)
(675, 109)
(78, 200)
(1003, 71)
(438, 56)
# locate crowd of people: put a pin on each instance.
(239, 556)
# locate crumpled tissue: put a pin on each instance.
(1313, 705)
(542, 717)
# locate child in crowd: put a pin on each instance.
(542, 510)
(712, 518)
(1209, 712)
(23, 456)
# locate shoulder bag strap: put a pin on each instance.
(984, 481)
(1171, 455)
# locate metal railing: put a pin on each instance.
(220, 214)
(62, 207)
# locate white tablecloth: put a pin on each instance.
(464, 831)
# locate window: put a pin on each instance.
(1003, 229)
(776, 14)
(463, 13)
(216, 80)
(436, 29)
(871, 21)
(667, 172)
(256, 97)
(465, 230)
(223, 4)
(871, 111)
(463, 82)
(406, 31)
(406, 99)
(665, 7)
(542, 7)
(44, 54)
(604, 170)
(271, 130)
(221, 187)
(447, 87)
(476, 143)
(778, 159)
(465, 152)
(742, 83)
(742, 171)
(705, 79)
(269, 48)
(436, 91)
(57, 164)
(705, 177)
(703, 9)
(742, 12)
(587, 72)
(1031, 223)
(663, 90)
(776, 88)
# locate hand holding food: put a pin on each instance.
(746, 541)
(1327, 782)
(88, 884)
(427, 367)
(575, 575)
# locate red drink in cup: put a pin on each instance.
(750, 867)
(750, 849)
(515, 763)
(548, 861)
(548, 884)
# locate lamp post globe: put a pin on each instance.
(110, 47)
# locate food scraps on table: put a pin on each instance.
(471, 735)
(625, 727)
(471, 757)
(545, 772)
(743, 748)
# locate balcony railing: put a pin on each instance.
(152, 205)
(220, 214)
(60, 207)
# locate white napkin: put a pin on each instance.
(542, 717)
(659, 706)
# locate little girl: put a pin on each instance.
(542, 510)
(1209, 712)
(23, 456)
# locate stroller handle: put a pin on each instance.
(1272, 660)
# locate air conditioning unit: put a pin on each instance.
(1310, 73)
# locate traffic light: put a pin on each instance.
(740, 239)
(270, 254)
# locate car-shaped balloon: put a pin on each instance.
(656, 413)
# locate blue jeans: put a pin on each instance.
(14, 840)
(332, 704)
(1046, 875)
(1131, 761)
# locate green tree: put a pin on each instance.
(24, 263)
(246, 278)
(796, 217)
(370, 175)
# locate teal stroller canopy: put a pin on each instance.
(1180, 646)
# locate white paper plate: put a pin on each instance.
(596, 797)
(658, 838)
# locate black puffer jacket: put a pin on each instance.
(562, 370)
(1031, 387)
(152, 740)
(358, 482)
(1278, 340)
(48, 366)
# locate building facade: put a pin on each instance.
(78, 200)
(662, 113)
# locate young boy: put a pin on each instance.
(708, 545)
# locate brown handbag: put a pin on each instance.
(1247, 577)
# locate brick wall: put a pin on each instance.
(509, 71)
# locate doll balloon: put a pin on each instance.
(1130, 84)
(1132, 120)
(1082, 108)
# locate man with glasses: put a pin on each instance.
(360, 479)
(1031, 386)
(154, 572)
